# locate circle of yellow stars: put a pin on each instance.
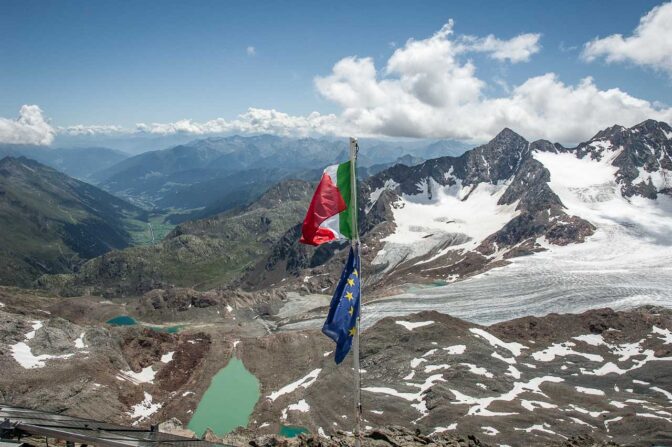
(349, 297)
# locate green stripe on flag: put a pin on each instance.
(343, 183)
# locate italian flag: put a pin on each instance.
(330, 215)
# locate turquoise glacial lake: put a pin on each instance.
(122, 320)
(290, 431)
(228, 402)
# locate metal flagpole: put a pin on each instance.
(354, 149)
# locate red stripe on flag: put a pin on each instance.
(326, 202)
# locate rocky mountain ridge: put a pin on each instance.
(452, 217)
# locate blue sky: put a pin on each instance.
(122, 63)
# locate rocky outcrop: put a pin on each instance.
(595, 377)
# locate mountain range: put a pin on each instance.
(219, 173)
(442, 220)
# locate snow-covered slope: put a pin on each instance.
(454, 217)
(511, 197)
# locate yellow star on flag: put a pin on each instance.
(351, 282)
(351, 311)
(348, 295)
(352, 331)
(355, 272)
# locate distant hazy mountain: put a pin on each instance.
(209, 173)
(78, 162)
(51, 222)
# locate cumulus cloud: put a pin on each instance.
(649, 45)
(518, 49)
(29, 128)
(428, 89)
(251, 51)
(253, 121)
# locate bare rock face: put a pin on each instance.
(591, 378)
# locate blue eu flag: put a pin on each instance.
(341, 324)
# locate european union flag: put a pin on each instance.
(341, 324)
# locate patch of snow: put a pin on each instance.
(455, 350)
(513, 372)
(417, 398)
(591, 391)
(591, 339)
(187, 393)
(301, 406)
(667, 394)
(479, 405)
(538, 427)
(430, 352)
(509, 360)
(593, 414)
(410, 325)
(609, 421)
(437, 430)
(415, 362)
(563, 350)
(513, 347)
(303, 382)
(168, 357)
(376, 411)
(531, 405)
(144, 409)
(490, 431)
(326, 354)
(667, 335)
(36, 327)
(478, 370)
(145, 376)
(432, 368)
(79, 343)
(375, 195)
(25, 357)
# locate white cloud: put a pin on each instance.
(251, 51)
(427, 89)
(29, 128)
(649, 45)
(252, 121)
(518, 49)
